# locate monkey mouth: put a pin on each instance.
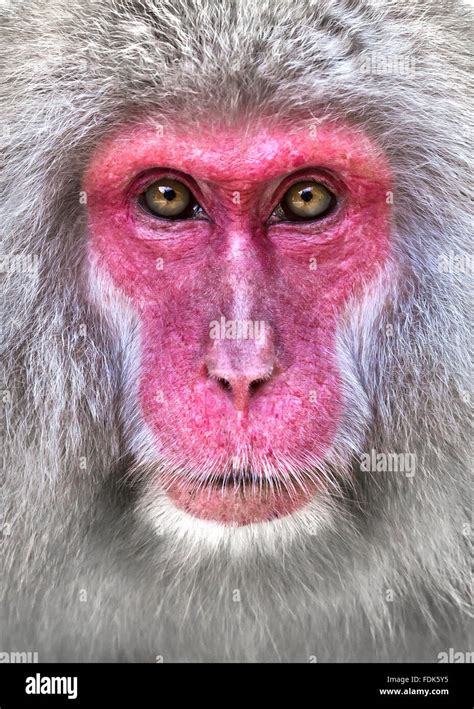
(240, 480)
(240, 498)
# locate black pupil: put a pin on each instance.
(307, 194)
(168, 193)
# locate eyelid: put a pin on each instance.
(140, 183)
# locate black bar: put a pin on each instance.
(315, 685)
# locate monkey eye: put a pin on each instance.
(169, 199)
(305, 201)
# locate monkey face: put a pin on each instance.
(239, 249)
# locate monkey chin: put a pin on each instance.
(196, 520)
(191, 511)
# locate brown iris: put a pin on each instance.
(169, 199)
(307, 200)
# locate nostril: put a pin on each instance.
(224, 383)
(255, 385)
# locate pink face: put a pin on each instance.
(239, 305)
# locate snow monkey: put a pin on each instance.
(235, 274)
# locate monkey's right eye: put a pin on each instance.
(169, 199)
(307, 201)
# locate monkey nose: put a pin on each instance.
(242, 389)
(240, 371)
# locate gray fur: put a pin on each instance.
(71, 70)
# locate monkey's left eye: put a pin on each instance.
(305, 201)
(169, 199)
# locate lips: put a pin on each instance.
(240, 499)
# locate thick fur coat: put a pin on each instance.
(85, 575)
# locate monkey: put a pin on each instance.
(236, 382)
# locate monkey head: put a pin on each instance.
(249, 235)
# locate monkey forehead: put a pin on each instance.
(239, 153)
